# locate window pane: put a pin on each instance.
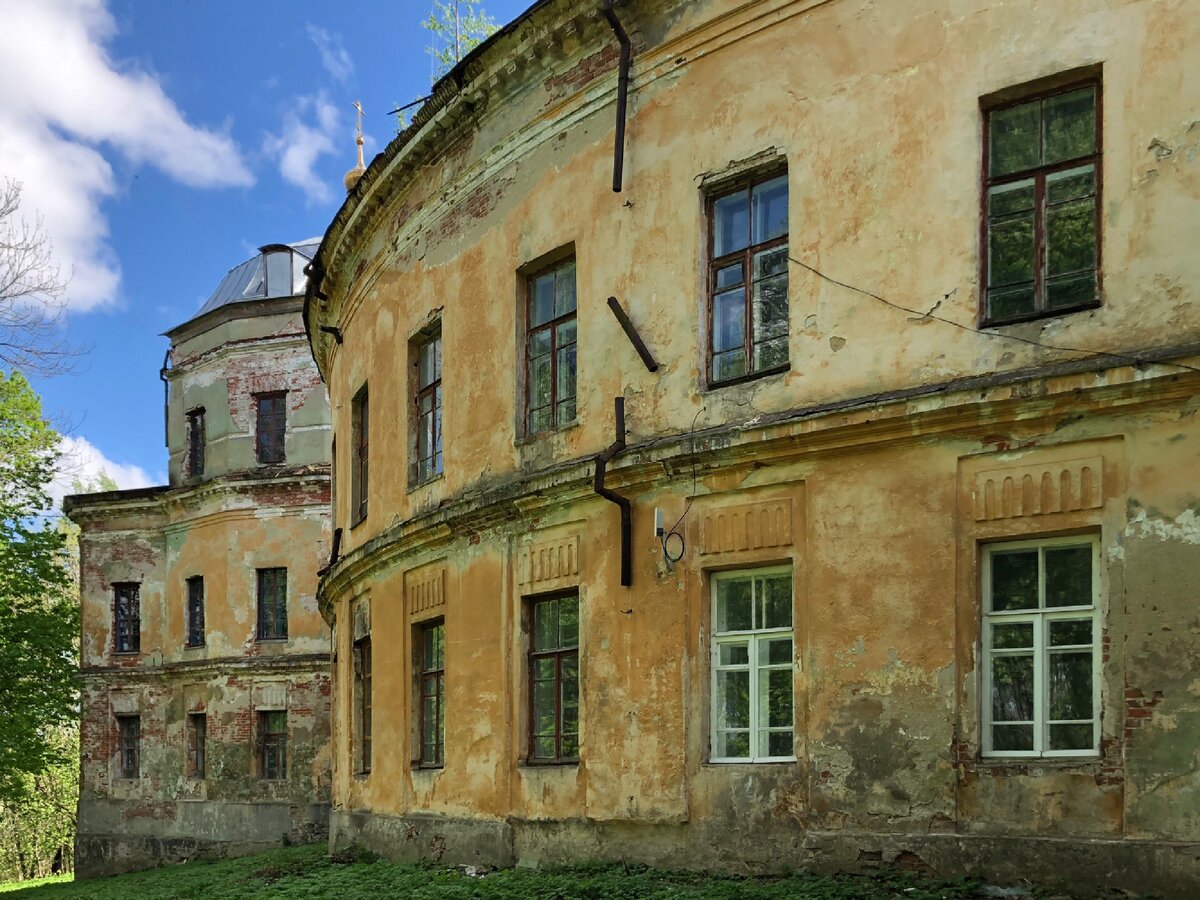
(1015, 580)
(770, 307)
(733, 699)
(1010, 251)
(1012, 737)
(1012, 688)
(564, 332)
(1072, 737)
(771, 354)
(1010, 303)
(729, 320)
(545, 707)
(566, 412)
(1014, 138)
(429, 728)
(539, 343)
(1072, 631)
(1070, 123)
(1071, 685)
(1014, 197)
(545, 625)
(564, 290)
(279, 273)
(1071, 184)
(730, 276)
(775, 652)
(733, 654)
(733, 745)
(1069, 576)
(729, 365)
(543, 745)
(570, 745)
(542, 302)
(1012, 635)
(566, 372)
(539, 382)
(1071, 237)
(1073, 290)
(539, 420)
(733, 604)
(544, 668)
(568, 622)
(770, 208)
(731, 223)
(775, 692)
(776, 594)
(430, 364)
(780, 743)
(570, 697)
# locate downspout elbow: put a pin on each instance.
(622, 91)
(624, 503)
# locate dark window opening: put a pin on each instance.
(271, 424)
(360, 426)
(432, 674)
(195, 611)
(272, 604)
(550, 382)
(554, 679)
(748, 280)
(1041, 251)
(127, 621)
(429, 409)
(272, 740)
(195, 443)
(364, 703)
(129, 746)
(197, 733)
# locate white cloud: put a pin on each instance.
(64, 103)
(299, 144)
(82, 461)
(334, 58)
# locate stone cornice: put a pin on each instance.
(219, 665)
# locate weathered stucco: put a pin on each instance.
(222, 525)
(877, 446)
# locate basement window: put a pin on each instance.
(1041, 218)
(127, 617)
(195, 611)
(195, 443)
(753, 669)
(554, 679)
(1041, 634)
(432, 676)
(197, 735)
(748, 279)
(129, 746)
(272, 744)
(270, 425)
(272, 604)
(550, 348)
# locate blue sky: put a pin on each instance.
(161, 142)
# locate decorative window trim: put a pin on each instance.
(1041, 618)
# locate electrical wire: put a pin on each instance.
(1137, 360)
(675, 532)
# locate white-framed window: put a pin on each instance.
(1041, 647)
(753, 690)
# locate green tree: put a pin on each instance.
(456, 27)
(37, 834)
(39, 613)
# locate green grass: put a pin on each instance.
(306, 872)
(6, 886)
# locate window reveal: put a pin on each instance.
(554, 679)
(550, 383)
(1042, 180)
(432, 714)
(272, 604)
(748, 280)
(270, 427)
(127, 617)
(753, 670)
(195, 611)
(197, 734)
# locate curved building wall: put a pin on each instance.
(884, 469)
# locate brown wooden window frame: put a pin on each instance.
(197, 737)
(427, 411)
(270, 427)
(431, 686)
(271, 619)
(127, 617)
(745, 257)
(272, 744)
(129, 746)
(196, 439)
(362, 657)
(1039, 174)
(195, 611)
(551, 327)
(560, 654)
(360, 427)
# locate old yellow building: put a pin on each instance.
(898, 302)
(205, 663)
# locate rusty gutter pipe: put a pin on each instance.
(334, 553)
(613, 497)
(622, 92)
(631, 332)
(162, 374)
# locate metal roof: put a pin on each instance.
(249, 280)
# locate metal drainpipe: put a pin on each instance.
(613, 497)
(162, 374)
(622, 92)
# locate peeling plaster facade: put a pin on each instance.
(877, 469)
(235, 517)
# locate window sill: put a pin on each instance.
(127, 654)
(194, 646)
(774, 761)
(1054, 762)
(745, 379)
(271, 640)
(526, 439)
(432, 479)
(427, 767)
(358, 522)
(1041, 315)
(548, 763)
